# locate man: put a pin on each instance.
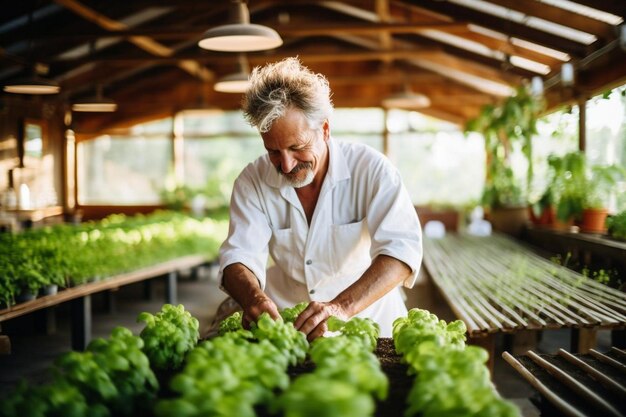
(335, 218)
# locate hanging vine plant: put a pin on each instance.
(514, 120)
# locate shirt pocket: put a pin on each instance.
(281, 246)
(350, 245)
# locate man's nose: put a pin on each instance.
(287, 162)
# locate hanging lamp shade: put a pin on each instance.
(240, 35)
(97, 103)
(406, 100)
(233, 83)
(34, 84)
(237, 82)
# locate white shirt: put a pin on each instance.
(363, 211)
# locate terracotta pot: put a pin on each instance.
(509, 220)
(593, 220)
(546, 219)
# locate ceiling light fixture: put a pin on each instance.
(237, 82)
(406, 100)
(34, 84)
(240, 35)
(98, 103)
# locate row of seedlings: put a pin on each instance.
(451, 379)
(347, 377)
(112, 377)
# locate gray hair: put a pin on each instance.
(276, 87)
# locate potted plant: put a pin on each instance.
(514, 121)
(600, 181)
(568, 185)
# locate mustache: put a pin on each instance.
(299, 167)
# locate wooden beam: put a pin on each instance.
(561, 16)
(201, 56)
(509, 48)
(616, 7)
(507, 27)
(323, 29)
(143, 42)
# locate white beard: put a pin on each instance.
(299, 183)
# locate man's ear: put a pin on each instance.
(326, 130)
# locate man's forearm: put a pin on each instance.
(244, 287)
(241, 284)
(383, 275)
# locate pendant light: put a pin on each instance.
(240, 35)
(237, 82)
(33, 84)
(406, 99)
(97, 103)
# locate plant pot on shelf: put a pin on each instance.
(509, 220)
(593, 220)
(24, 296)
(50, 289)
(545, 219)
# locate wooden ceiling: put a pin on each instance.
(460, 53)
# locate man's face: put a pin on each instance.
(298, 152)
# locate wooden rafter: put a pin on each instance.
(507, 27)
(558, 15)
(147, 44)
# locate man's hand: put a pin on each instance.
(257, 306)
(312, 321)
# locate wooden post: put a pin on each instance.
(5, 343)
(81, 322)
(582, 124)
(171, 296)
(583, 339)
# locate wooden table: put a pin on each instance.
(495, 284)
(80, 296)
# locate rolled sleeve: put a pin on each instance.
(393, 223)
(249, 232)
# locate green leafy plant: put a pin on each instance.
(617, 225)
(600, 182)
(568, 180)
(111, 378)
(514, 120)
(290, 314)
(347, 375)
(451, 379)
(70, 255)
(168, 336)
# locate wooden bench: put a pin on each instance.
(495, 284)
(80, 297)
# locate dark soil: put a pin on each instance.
(399, 382)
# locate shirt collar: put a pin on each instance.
(337, 167)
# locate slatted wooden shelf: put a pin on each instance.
(80, 295)
(580, 385)
(495, 284)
